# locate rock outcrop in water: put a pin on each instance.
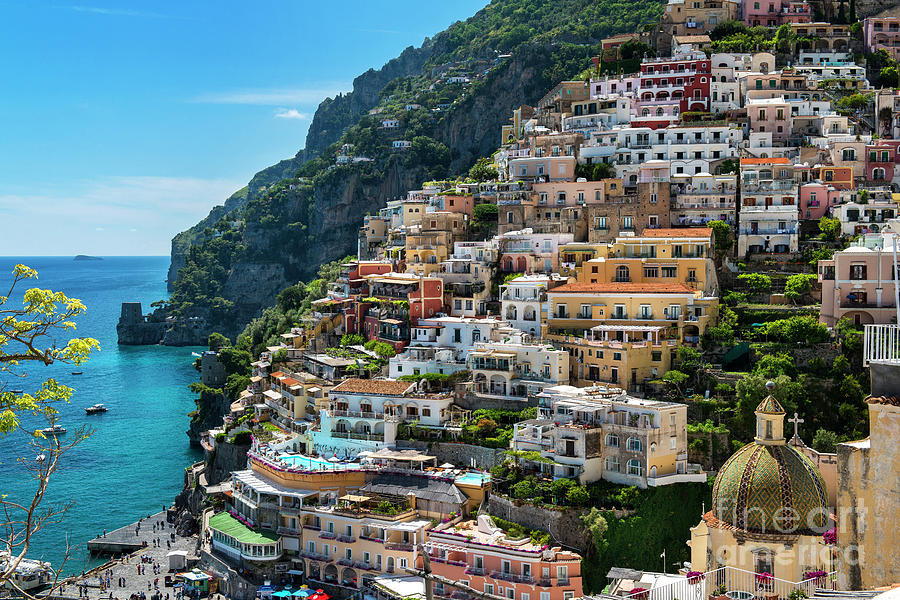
(136, 329)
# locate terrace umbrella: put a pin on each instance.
(334, 459)
(282, 594)
(447, 466)
(302, 593)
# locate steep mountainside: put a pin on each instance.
(304, 211)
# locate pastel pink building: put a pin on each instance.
(459, 204)
(817, 200)
(478, 554)
(858, 283)
(882, 33)
(772, 13)
(881, 160)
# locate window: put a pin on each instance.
(562, 573)
(612, 464)
(612, 440)
(858, 272)
(585, 312)
(457, 335)
(634, 444)
(348, 554)
(489, 588)
(628, 222)
(651, 272)
(635, 467)
(848, 154)
(622, 274)
(656, 356)
(653, 198)
(673, 443)
(669, 271)
(645, 312)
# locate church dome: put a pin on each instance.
(770, 489)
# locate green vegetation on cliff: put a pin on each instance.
(451, 95)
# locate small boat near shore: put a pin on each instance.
(54, 430)
(28, 575)
(95, 409)
(77, 372)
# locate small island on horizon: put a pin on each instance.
(86, 257)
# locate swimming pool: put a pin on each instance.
(473, 478)
(311, 463)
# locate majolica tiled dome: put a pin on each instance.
(757, 486)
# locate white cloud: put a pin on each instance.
(72, 218)
(291, 113)
(116, 12)
(272, 97)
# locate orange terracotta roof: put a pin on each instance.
(387, 387)
(289, 381)
(697, 232)
(765, 161)
(623, 288)
(276, 374)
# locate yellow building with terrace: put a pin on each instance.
(659, 256)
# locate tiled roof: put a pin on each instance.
(387, 387)
(276, 374)
(770, 406)
(757, 485)
(626, 288)
(765, 161)
(697, 232)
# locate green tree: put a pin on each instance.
(888, 76)
(483, 170)
(722, 235)
(825, 441)
(797, 286)
(217, 341)
(830, 228)
(577, 496)
(773, 365)
(35, 334)
(757, 284)
(485, 212)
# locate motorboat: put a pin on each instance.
(28, 575)
(54, 430)
(95, 409)
(77, 372)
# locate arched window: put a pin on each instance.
(635, 467)
(848, 154)
(476, 335)
(612, 463)
(635, 445)
(659, 112)
(877, 173)
(645, 112)
(612, 440)
(622, 273)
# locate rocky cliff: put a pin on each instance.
(282, 230)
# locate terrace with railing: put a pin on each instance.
(743, 583)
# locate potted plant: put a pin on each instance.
(765, 581)
(830, 537)
(719, 593)
(695, 577)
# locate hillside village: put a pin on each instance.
(606, 363)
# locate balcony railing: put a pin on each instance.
(505, 576)
(881, 344)
(400, 547)
(738, 580)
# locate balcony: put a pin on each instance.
(315, 556)
(352, 435)
(507, 576)
(769, 231)
(356, 414)
(475, 571)
(399, 547)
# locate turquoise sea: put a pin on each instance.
(134, 462)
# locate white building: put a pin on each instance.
(524, 303)
(514, 370)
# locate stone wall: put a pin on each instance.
(458, 454)
(223, 460)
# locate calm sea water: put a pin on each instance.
(134, 462)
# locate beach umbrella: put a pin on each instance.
(334, 459)
(447, 466)
(302, 593)
(282, 594)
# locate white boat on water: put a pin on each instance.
(95, 409)
(29, 574)
(54, 430)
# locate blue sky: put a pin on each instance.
(123, 123)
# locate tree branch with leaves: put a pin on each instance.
(28, 336)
